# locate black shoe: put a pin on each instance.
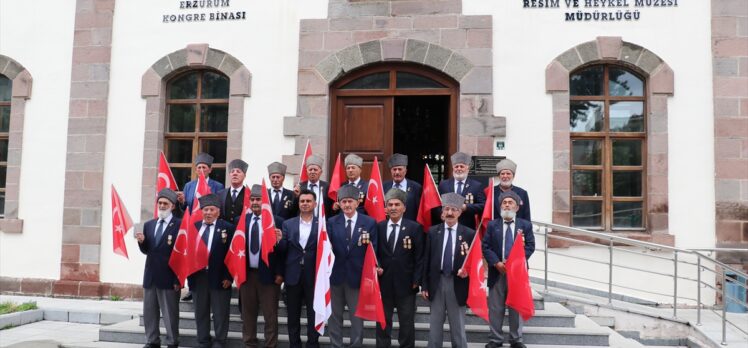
(188, 297)
(152, 345)
(517, 345)
(494, 345)
(172, 346)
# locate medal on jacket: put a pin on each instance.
(361, 197)
(407, 243)
(224, 235)
(286, 204)
(464, 248)
(469, 198)
(363, 238)
(168, 240)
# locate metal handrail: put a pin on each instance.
(677, 259)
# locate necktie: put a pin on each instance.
(206, 234)
(159, 231)
(254, 237)
(508, 239)
(447, 262)
(391, 238)
(276, 199)
(459, 187)
(398, 186)
(348, 231)
(233, 194)
(313, 188)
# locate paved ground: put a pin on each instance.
(48, 334)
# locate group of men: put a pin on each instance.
(411, 261)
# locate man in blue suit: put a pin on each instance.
(353, 164)
(299, 245)
(445, 283)
(350, 232)
(212, 285)
(261, 291)
(497, 243)
(232, 197)
(160, 284)
(400, 256)
(506, 169)
(203, 164)
(399, 169)
(471, 189)
(281, 199)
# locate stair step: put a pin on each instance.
(131, 332)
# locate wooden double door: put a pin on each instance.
(395, 108)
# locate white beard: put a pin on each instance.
(459, 177)
(506, 184)
(508, 214)
(163, 214)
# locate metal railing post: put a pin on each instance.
(698, 289)
(610, 272)
(545, 258)
(724, 308)
(675, 284)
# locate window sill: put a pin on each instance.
(11, 225)
(655, 237)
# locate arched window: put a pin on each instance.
(197, 113)
(608, 148)
(5, 88)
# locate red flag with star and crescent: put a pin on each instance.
(519, 295)
(302, 171)
(236, 257)
(430, 199)
(268, 227)
(121, 224)
(335, 179)
(182, 260)
(487, 211)
(374, 204)
(164, 180)
(369, 297)
(475, 268)
(202, 189)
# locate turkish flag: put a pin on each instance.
(307, 152)
(235, 259)
(487, 211)
(369, 297)
(181, 260)
(475, 267)
(519, 294)
(430, 199)
(121, 224)
(202, 189)
(164, 180)
(268, 226)
(323, 270)
(335, 180)
(374, 204)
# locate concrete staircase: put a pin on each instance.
(552, 326)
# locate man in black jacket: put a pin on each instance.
(400, 251)
(160, 284)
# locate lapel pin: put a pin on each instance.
(168, 239)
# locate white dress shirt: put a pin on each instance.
(390, 223)
(254, 259)
(305, 230)
(454, 242)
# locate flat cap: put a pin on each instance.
(208, 200)
(398, 159)
(168, 194)
(256, 191)
(395, 193)
(314, 160)
(354, 159)
(460, 157)
(238, 164)
(452, 199)
(348, 191)
(506, 164)
(204, 158)
(277, 168)
(510, 194)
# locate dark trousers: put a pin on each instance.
(298, 295)
(406, 314)
(256, 296)
(209, 300)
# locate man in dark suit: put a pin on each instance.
(232, 197)
(497, 243)
(261, 291)
(471, 189)
(506, 169)
(400, 254)
(204, 165)
(212, 285)
(350, 232)
(398, 169)
(160, 284)
(320, 188)
(353, 164)
(282, 199)
(299, 245)
(445, 283)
